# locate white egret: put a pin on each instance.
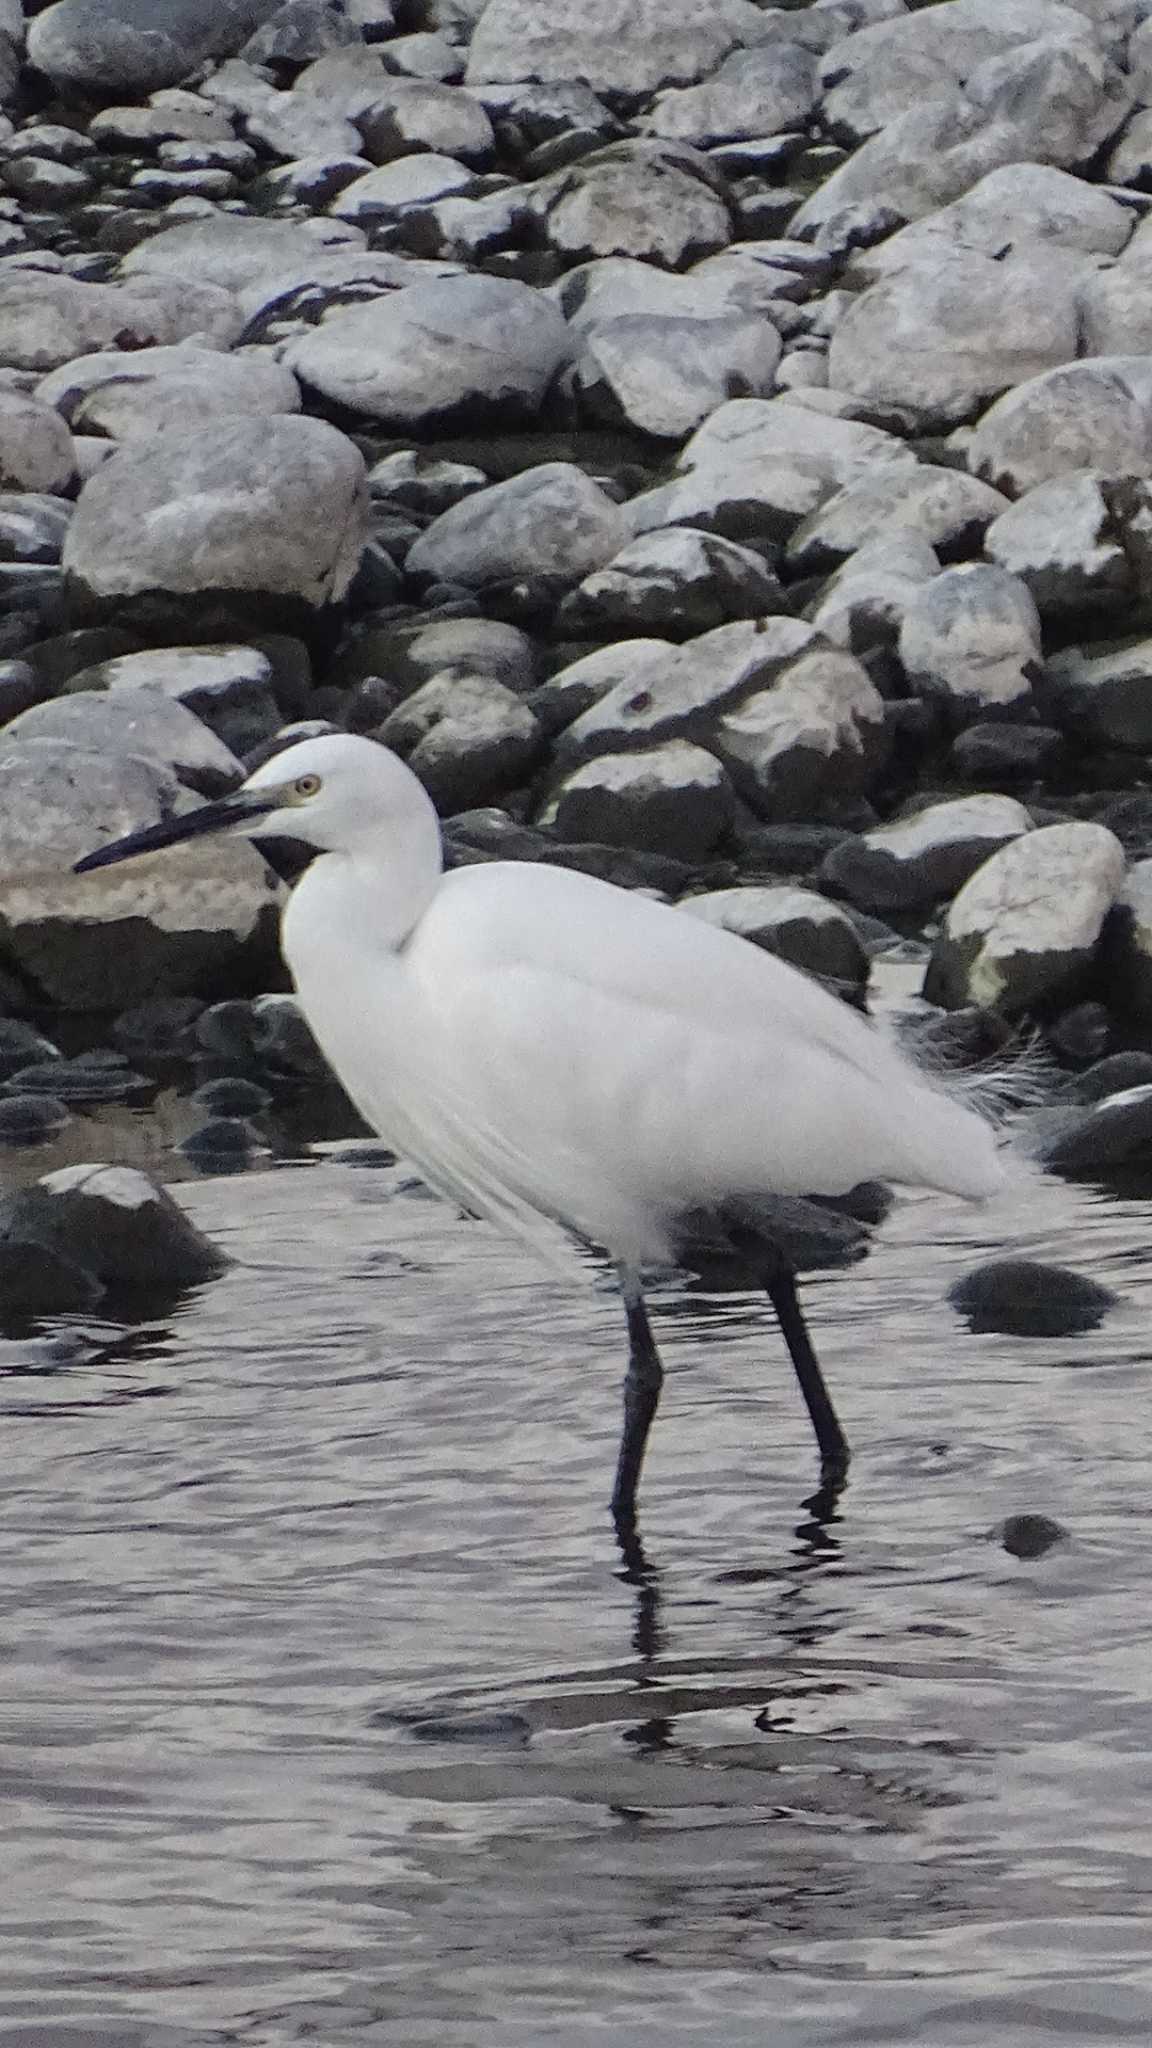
(548, 1049)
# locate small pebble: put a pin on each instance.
(231, 1096)
(1028, 1536)
(225, 1144)
(31, 1119)
(1023, 1298)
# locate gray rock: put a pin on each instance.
(1128, 947)
(467, 737)
(757, 466)
(253, 508)
(172, 116)
(323, 280)
(423, 482)
(1020, 208)
(450, 347)
(32, 527)
(1062, 541)
(971, 639)
(941, 507)
(676, 581)
(920, 859)
(1026, 926)
(115, 1223)
(673, 799)
(753, 92)
(663, 374)
(165, 925)
(27, 1119)
(947, 333)
(996, 756)
(390, 190)
(1107, 1137)
(550, 524)
(36, 452)
(228, 688)
(655, 202)
(128, 397)
(864, 602)
(631, 46)
(1027, 1299)
(484, 647)
(1114, 309)
(796, 924)
(574, 689)
(233, 252)
(616, 287)
(298, 30)
(1103, 694)
(810, 741)
(102, 46)
(47, 320)
(1094, 415)
(144, 723)
(410, 117)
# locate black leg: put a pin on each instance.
(642, 1384)
(774, 1273)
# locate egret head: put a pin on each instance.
(334, 794)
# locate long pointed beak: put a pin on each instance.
(224, 816)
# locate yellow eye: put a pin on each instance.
(306, 785)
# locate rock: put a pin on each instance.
(619, 287)
(922, 858)
(1114, 314)
(1025, 928)
(115, 1223)
(757, 466)
(467, 737)
(144, 724)
(630, 46)
(169, 923)
(31, 1119)
(971, 639)
(1026, 1299)
(36, 452)
(1062, 541)
(32, 527)
(655, 202)
(225, 1144)
(318, 284)
(549, 524)
(1128, 945)
(231, 1095)
(1103, 694)
(1105, 1138)
(131, 397)
(796, 924)
(944, 508)
(673, 799)
(252, 512)
(676, 581)
(411, 117)
(412, 181)
(957, 328)
(998, 756)
(230, 252)
(20, 1044)
(228, 688)
(36, 1282)
(1029, 1536)
(1021, 207)
(422, 482)
(1109, 1076)
(160, 1028)
(480, 348)
(755, 92)
(268, 1031)
(97, 47)
(1093, 415)
(46, 320)
(90, 1077)
(864, 602)
(574, 689)
(663, 374)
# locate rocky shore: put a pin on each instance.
(711, 442)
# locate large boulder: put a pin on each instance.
(102, 47)
(630, 46)
(233, 521)
(549, 525)
(1025, 929)
(113, 1224)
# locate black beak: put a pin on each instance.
(230, 811)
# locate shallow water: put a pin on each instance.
(328, 1715)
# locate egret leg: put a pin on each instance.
(642, 1383)
(775, 1274)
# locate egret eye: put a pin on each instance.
(306, 785)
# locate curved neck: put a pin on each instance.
(373, 893)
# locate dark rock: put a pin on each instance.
(1008, 756)
(90, 1077)
(796, 924)
(95, 47)
(1028, 1536)
(1106, 1137)
(20, 1044)
(30, 1119)
(269, 1033)
(468, 738)
(225, 1144)
(675, 582)
(1081, 1033)
(161, 1027)
(1113, 1075)
(37, 1281)
(1023, 1298)
(231, 1095)
(674, 798)
(115, 1223)
(922, 858)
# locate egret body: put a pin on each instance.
(551, 1050)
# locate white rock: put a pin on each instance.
(676, 580)
(131, 396)
(1015, 207)
(144, 723)
(944, 508)
(630, 46)
(410, 181)
(648, 201)
(919, 859)
(46, 320)
(1062, 541)
(795, 924)
(36, 452)
(551, 522)
(663, 374)
(1095, 414)
(864, 602)
(232, 251)
(971, 638)
(1025, 927)
(674, 799)
(753, 93)
(808, 742)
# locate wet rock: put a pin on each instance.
(1103, 694)
(655, 202)
(468, 738)
(629, 46)
(244, 511)
(20, 1045)
(159, 1028)
(1023, 1298)
(920, 859)
(36, 452)
(1062, 541)
(128, 397)
(550, 524)
(144, 724)
(1112, 1075)
(439, 350)
(1025, 928)
(231, 1095)
(116, 1224)
(31, 1119)
(47, 320)
(225, 1144)
(759, 465)
(811, 1235)
(1106, 1137)
(97, 47)
(676, 581)
(1094, 415)
(943, 508)
(229, 688)
(674, 799)
(268, 1032)
(36, 1281)
(970, 639)
(1029, 1536)
(91, 1077)
(663, 374)
(795, 924)
(160, 926)
(1129, 944)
